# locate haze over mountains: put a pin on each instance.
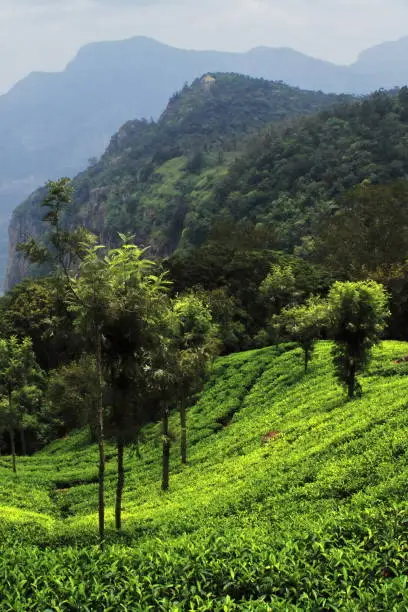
(52, 123)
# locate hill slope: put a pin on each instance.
(52, 123)
(315, 518)
(153, 173)
(170, 183)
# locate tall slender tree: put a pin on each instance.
(61, 252)
(180, 372)
(135, 324)
(88, 298)
(197, 344)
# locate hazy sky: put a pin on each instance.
(45, 34)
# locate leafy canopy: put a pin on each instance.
(358, 315)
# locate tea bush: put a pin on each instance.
(293, 499)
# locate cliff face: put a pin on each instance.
(154, 177)
(17, 267)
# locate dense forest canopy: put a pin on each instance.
(223, 199)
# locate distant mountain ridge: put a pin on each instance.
(52, 123)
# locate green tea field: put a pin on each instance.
(293, 499)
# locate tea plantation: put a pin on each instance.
(293, 499)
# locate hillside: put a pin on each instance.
(293, 499)
(153, 174)
(51, 124)
(170, 183)
(295, 173)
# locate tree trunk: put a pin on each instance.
(183, 440)
(166, 450)
(352, 381)
(13, 450)
(307, 359)
(138, 453)
(11, 434)
(120, 484)
(23, 442)
(101, 439)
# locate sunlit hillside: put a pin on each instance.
(293, 499)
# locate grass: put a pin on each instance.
(313, 519)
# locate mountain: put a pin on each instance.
(155, 174)
(386, 63)
(51, 124)
(206, 161)
(293, 499)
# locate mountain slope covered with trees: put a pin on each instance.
(225, 201)
(152, 174)
(51, 124)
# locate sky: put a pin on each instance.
(46, 34)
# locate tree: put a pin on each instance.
(61, 247)
(36, 308)
(28, 400)
(88, 299)
(134, 330)
(180, 367)
(62, 251)
(368, 235)
(121, 305)
(304, 324)
(17, 369)
(72, 394)
(279, 289)
(196, 344)
(358, 313)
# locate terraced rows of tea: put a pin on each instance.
(293, 499)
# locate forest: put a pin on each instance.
(196, 359)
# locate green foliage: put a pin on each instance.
(61, 247)
(305, 186)
(358, 314)
(72, 394)
(367, 235)
(292, 174)
(196, 334)
(313, 517)
(224, 310)
(279, 287)
(21, 383)
(36, 309)
(190, 345)
(244, 282)
(17, 363)
(304, 324)
(300, 185)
